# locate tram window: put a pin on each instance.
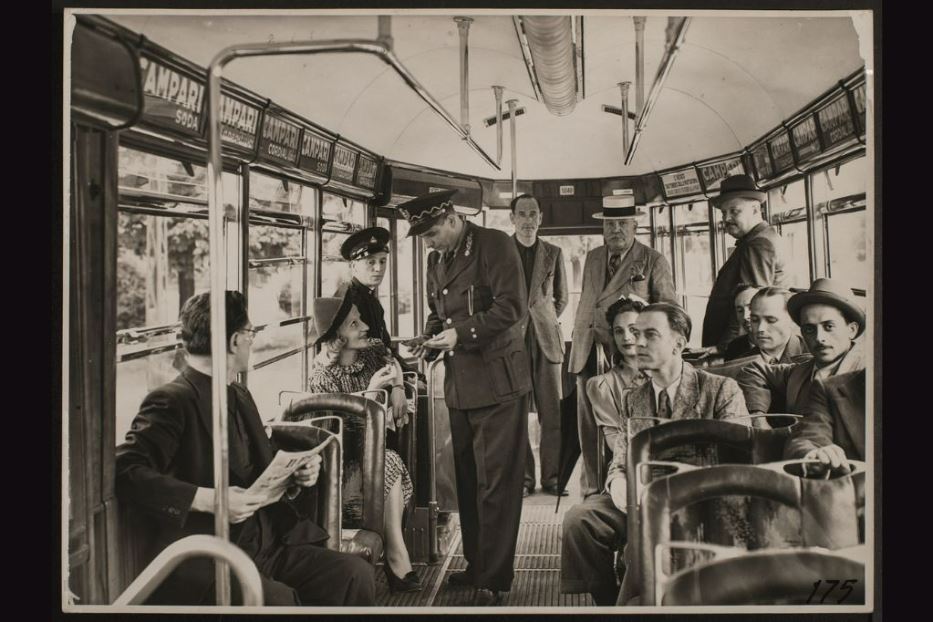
(136, 377)
(343, 210)
(341, 217)
(499, 219)
(279, 195)
(282, 345)
(694, 266)
(148, 173)
(662, 224)
(276, 273)
(385, 290)
(787, 207)
(478, 218)
(839, 196)
(405, 250)
(575, 248)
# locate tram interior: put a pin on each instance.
(732, 94)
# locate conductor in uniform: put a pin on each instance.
(477, 322)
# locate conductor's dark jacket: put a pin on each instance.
(168, 454)
(490, 363)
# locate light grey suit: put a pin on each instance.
(643, 271)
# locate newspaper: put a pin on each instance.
(275, 479)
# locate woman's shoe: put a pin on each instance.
(409, 583)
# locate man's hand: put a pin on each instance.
(832, 457)
(618, 492)
(308, 474)
(445, 340)
(241, 504)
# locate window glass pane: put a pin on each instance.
(662, 219)
(848, 249)
(136, 378)
(477, 219)
(334, 270)
(693, 245)
(343, 210)
(275, 341)
(788, 212)
(696, 309)
(405, 248)
(145, 172)
(272, 193)
(385, 289)
(266, 382)
(838, 193)
(575, 248)
(275, 292)
(499, 219)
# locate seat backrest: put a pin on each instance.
(363, 452)
(786, 577)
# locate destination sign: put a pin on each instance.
(315, 153)
(762, 161)
(836, 122)
(172, 100)
(713, 174)
(239, 122)
(279, 140)
(806, 138)
(344, 164)
(681, 183)
(366, 173)
(781, 152)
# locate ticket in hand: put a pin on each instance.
(414, 341)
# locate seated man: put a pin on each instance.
(833, 426)
(595, 529)
(743, 345)
(771, 328)
(165, 468)
(830, 323)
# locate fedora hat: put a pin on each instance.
(618, 207)
(425, 210)
(327, 315)
(738, 187)
(828, 292)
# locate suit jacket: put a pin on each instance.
(546, 302)
(590, 325)
(758, 259)
(168, 454)
(783, 388)
(701, 395)
(482, 295)
(834, 414)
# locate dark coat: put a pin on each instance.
(758, 259)
(546, 301)
(834, 414)
(168, 454)
(490, 364)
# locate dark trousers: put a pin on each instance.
(590, 437)
(546, 382)
(592, 532)
(489, 453)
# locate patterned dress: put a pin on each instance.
(335, 378)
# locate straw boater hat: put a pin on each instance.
(738, 187)
(828, 292)
(328, 314)
(422, 212)
(365, 243)
(618, 207)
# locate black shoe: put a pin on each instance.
(460, 578)
(486, 598)
(552, 490)
(528, 490)
(409, 583)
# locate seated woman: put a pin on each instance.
(350, 362)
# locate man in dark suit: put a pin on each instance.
(758, 258)
(621, 267)
(165, 467)
(833, 426)
(548, 295)
(595, 529)
(479, 315)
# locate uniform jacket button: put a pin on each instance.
(445, 291)
(450, 321)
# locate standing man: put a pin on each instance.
(478, 319)
(758, 259)
(621, 267)
(548, 294)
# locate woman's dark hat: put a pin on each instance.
(827, 292)
(365, 243)
(422, 212)
(738, 187)
(327, 315)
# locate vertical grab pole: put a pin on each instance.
(639, 64)
(463, 26)
(623, 87)
(498, 92)
(511, 104)
(218, 272)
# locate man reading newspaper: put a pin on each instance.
(165, 468)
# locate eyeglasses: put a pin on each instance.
(252, 332)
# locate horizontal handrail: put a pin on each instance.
(186, 548)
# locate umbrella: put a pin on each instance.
(569, 443)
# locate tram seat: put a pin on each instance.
(828, 509)
(362, 495)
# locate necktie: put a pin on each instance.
(664, 405)
(614, 261)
